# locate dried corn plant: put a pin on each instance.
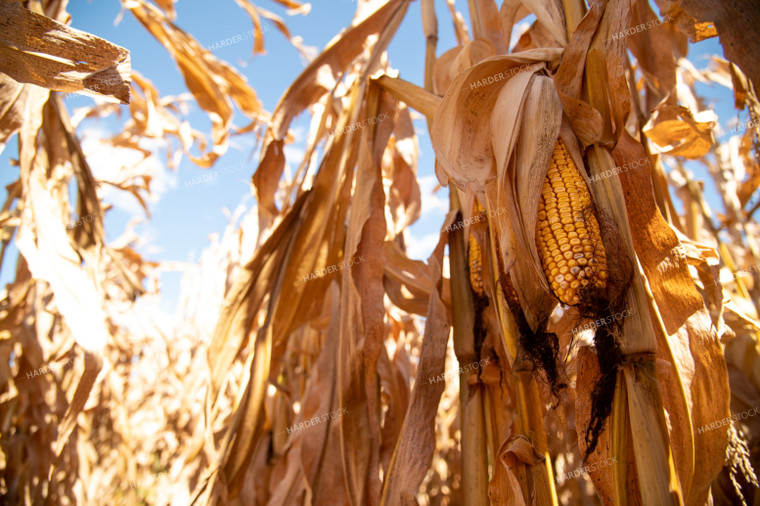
(581, 334)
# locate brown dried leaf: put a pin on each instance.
(13, 97)
(322, 73)
(461, 133)
(442, 70)
(416, 443)
(548, 16)
(404, 199)
(212, 82)
(654, 53)
(680, 12)
(488, 14)
(679, 133)
(696, 353)
(37, 50)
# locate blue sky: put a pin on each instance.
(184, 217)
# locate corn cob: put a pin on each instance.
(474, 256)
(567, 232)
(476, 271)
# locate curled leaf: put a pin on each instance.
(680, 133)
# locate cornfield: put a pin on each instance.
(586, 330)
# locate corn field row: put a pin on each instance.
(586, 330)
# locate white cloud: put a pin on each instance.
(431, 204)
(420, 248)
(519, 30)
(102, 156)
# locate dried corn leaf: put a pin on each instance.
(13, 98)
(245, 297)
(488, 25)
(407, 282)
(317, 79)
(460, 26)
(318, 448)
(682, 15)
(400, 166)
(44, 243)
(212, 82)
(735, 22)
(468, 55)
(587, 376)
(442, 70)
(653, 51)
(37, 50)
(461, 134)
(362, 313)
(687, 323)
(680, 133)
(586, 120)
(322, 73)
(548, 16)
(416, 443)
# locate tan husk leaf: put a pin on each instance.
(37, 50)
(461, 133)
(522, 169)
(547, 15)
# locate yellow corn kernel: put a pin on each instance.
(476, 272)
(565, 196)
